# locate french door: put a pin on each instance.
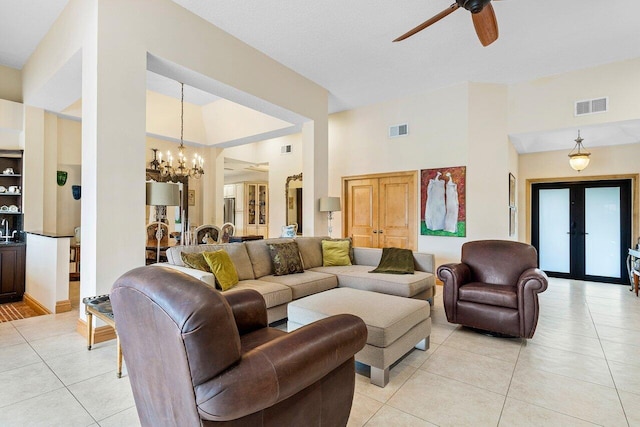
(582, 230)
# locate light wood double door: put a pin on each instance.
(380, 210)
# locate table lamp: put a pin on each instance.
(330, 205)
(162, 194)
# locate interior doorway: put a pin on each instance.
(582, 230)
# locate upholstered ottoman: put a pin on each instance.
(394, 324)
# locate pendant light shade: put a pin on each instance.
(579, 157)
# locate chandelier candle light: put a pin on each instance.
(579, 159)
(182, 169)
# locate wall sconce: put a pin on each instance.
(330, 205)
(579, 159)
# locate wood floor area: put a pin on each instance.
(15, 311)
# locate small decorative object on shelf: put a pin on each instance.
(75, 190)
(62, 178)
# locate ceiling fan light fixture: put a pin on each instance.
(578, 159)
(473, 6)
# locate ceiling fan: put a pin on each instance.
(484, 20)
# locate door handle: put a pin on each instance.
(375, 231)
(380, 231)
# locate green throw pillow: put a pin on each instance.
(335, 253)
(346, 239)
(395, 261)
(222, 268)
(195, 260)
(285, 258)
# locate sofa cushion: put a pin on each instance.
(285, 258)
(237, 252)
(358, 277)
(259, 255)
(311, 251)
(335, 253)
(303, 284)
(484, 293)
(222, 267)
(274, 294)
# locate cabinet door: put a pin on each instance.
(396, 212)
(12, 273)
(251, 213)
(263, 205)
(362, 214)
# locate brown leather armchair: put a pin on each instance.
(196, 357)
(495, 287)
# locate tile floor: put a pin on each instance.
(582, 368)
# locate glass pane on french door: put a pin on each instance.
(602, 228)
(554, 241)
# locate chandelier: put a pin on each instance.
(181, 169)
(579, 159)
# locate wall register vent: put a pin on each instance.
(398, 130)
(592, 106)
(285, 149)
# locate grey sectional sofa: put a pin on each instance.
(253, 263)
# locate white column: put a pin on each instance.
(315, 154)
(113, 157)
(213, 187)
(33, 189)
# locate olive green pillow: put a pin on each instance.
(395, 261)
(285, 258)
(346, 239)
(335, 253)
(195, 260)
(222, 268)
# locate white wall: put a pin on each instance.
(548, 103)
(10, 84)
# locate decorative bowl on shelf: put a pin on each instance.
(13, 208)
(4, 208)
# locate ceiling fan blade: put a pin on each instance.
(486, 25)
(431, 21)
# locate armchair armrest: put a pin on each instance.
(453, 276)
(280, 368)
(456, 274)
(532, 280)
(249, 309)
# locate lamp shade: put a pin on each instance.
(329, 204)
(163, 194)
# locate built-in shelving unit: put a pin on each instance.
(12, 245)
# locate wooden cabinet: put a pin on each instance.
(12, 260)
(12, 246)
(380, 210)
(256, 209)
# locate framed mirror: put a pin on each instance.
(293, 202)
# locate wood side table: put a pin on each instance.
(100, 306)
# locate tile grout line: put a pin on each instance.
(506, 395)
(606, 359)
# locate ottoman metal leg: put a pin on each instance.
(423, 345)
(379, 377)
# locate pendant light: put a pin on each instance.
(579, 159)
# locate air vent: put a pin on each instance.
(592, 106)
(398, 130)
(285, 149)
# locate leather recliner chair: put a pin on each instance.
(197, 357)
(495, 287)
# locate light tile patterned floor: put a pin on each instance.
(582, 368)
